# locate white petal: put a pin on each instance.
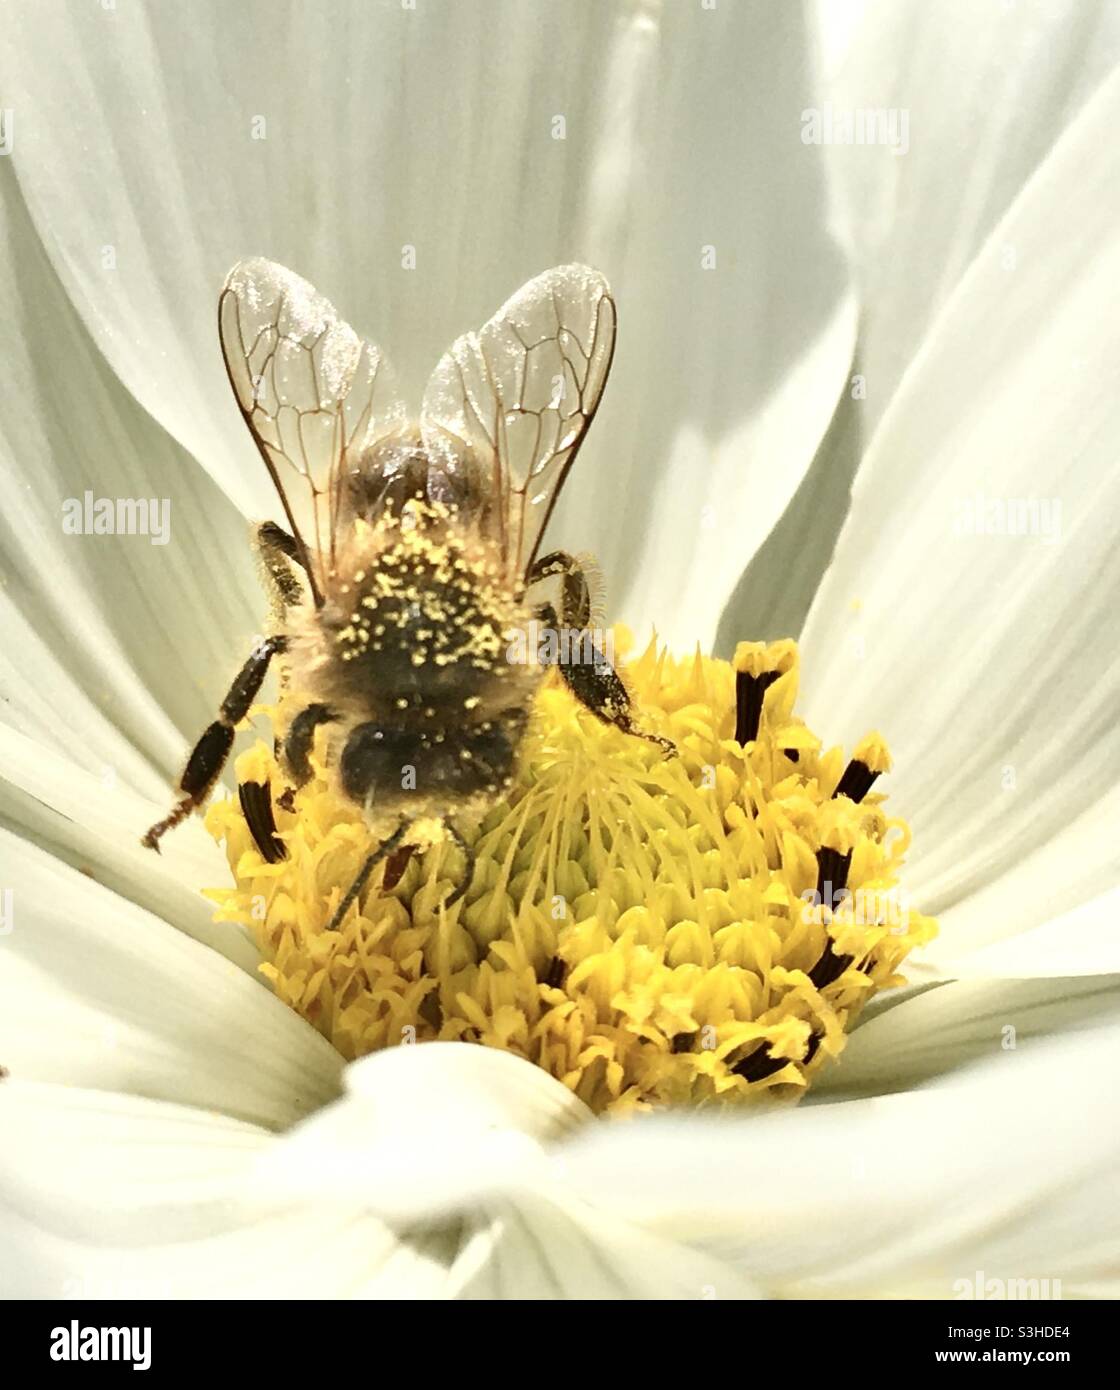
(1027, 922)
(553, 1247)
(482, 1124)
(990, 661)
(1001, 80)
(445, 1132)
(114, 1197)
(944, 1029)
(96, 992)
(96, 826)
(1010, 1168)
(110, 645)
(331, 177)
(725, 378)
(984, 91)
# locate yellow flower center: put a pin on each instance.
(697, 928)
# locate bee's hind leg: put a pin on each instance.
(277, 555)
(209, 754)
(583, 662)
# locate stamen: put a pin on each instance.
(757, 667)
(869, 760)
(637, 924)
(749, 694)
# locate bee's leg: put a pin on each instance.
(576, 603)
(277, 552)
(584, 665)
(256, 797)
(210, 752)
(277, 555)
(256, 807)
(385, 848)
(468, 867)
(300, 736)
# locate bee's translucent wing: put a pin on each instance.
(311, 391)
(515, 400)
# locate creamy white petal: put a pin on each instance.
(990, 661)
(95, 825)
(944, 1029)
(115, 1197)
(96, 992)
(446, 1132)
(671, 122)
(1010, 1168)
(553, 1247)
(972, 97)
(998, 79)
(333, 167)
(111, 646)
(736, 318)
(482, 1124)
(1027, 922)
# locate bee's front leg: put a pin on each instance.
(209, 754)
(581, 654)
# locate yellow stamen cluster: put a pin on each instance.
(648, 929)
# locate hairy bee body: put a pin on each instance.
(399, 584)
(409, 650)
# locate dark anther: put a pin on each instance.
(793, 755)
(832, 872)
(856, 781)
(395, 866)
(256, 806)
(759, 1065)
(749, 692)
(682, 1042)
(554, 975)
(829, 968)
(832, 877)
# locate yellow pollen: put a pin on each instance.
(698, 928)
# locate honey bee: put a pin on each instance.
(410, 551)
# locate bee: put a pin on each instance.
(410, 553)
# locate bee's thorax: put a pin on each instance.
(415, 625)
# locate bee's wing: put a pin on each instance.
(519, 395)
(311, 392)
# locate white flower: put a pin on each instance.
(170, 1127)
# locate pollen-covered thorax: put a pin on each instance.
(416, 612)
